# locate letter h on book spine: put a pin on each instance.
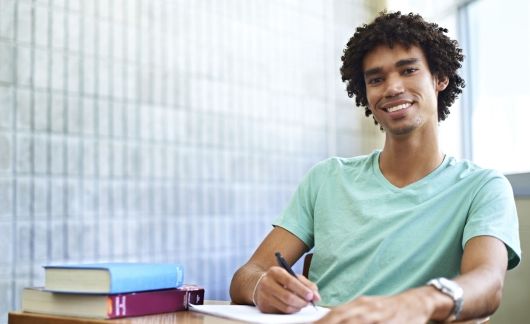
(120, 305)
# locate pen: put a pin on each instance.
(282, 263)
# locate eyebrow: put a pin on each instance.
(400, 63)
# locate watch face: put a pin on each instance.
(452, 287)
(453, 290)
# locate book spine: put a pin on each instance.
(154, 277)
(124, 277)
(151, 302)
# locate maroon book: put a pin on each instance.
(38, 300)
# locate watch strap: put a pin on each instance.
(454, 291)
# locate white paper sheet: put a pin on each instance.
(251, 314)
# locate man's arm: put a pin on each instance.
(482, 271)
(261, 281)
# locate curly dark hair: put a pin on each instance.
(443, 55)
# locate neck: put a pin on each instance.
(406, 160)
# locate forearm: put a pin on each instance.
(482, 295)
(243, 283)
(482, 271)
(246, 278)
(482, 292)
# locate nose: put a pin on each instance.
(393, 86)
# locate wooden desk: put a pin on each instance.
(183, 317)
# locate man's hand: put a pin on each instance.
(279, 292)
(408, 307)
(272, 289)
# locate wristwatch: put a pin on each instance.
(453, 290)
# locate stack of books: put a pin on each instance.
(111, 290)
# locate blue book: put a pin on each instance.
(112, 278)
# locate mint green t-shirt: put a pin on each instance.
(370, 237)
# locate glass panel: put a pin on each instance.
(499, 48)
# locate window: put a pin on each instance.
(497, 96)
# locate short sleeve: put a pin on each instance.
(493, 213)
(298, 216)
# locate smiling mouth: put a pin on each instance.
(398, 107)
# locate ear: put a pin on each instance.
(442, 83)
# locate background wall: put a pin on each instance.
(137, 130)
(516, 295)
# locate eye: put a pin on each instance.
(375, 81)
(410, 70)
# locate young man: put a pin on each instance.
(388, 229)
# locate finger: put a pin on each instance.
(349, 315)
(311, 285)
(277, 305)
(292, 284)
(286, 294)
(272, 296)
(360, 310)
(335, 316)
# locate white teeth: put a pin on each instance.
(398, 107)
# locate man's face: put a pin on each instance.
(401, 91)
